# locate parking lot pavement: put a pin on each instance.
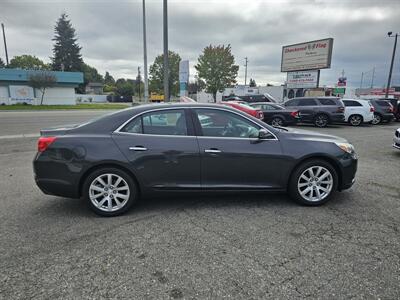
(236, 246)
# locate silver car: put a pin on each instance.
(396, 139)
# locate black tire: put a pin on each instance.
(377, 119)
(321, 120)
(356, 120)
(133, 191)
(293, 188)
(277, 121)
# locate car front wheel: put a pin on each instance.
(109, 191)
(313, 183)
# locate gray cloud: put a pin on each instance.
(110, 32)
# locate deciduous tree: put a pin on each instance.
(216, 66)
(28, 62)
(157, 73)
(42, 81)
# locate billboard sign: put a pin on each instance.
(302, 79)
(21, 93)
(312, 55)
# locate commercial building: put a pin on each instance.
(14, 87)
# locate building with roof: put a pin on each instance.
(14, 87)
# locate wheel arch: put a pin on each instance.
(360, 115)
(322, 157)
(101, 165)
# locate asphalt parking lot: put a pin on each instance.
(245, 247)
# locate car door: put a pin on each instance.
(307, 109)
(232, 157)
(162, 149)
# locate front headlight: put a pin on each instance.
(346, 147)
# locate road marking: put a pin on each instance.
(19, 136)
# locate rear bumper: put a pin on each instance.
(387, 117)
(337, 118)
(396, 142)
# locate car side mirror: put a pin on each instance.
(263, 134)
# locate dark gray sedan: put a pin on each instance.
(153, 149)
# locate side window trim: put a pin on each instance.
(189, 124)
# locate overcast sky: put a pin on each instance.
(110, 33)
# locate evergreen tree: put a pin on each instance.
(252, 83)
(108, 79)
(66, 50)
(157, 74)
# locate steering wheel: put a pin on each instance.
(228, 129)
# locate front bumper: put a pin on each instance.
(337, 118)
(349, 170)
(396, 142)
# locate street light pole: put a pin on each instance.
(245, 72)
(391, 64)
(166, 62)
(5, 43)
(362, 78)
(146, 82)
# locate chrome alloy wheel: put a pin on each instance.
(277, 122)
(109, 192)
(315, 183)
(355, 120)
(377, 119)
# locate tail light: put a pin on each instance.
(372, 109)
(295, 114)
(260, 115)
(391, 110)
(44, 142)
(340, 109)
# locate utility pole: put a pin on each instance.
(245, 72)
(166, 62)
(373, 77)
(5, 43)
(146, 82)
(391, 64)
(362, 78)
(139, 81)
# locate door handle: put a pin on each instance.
(138, 148)
(212, 151)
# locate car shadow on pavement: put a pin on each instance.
(77, 208)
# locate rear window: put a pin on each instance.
(327, 102)
(294, 102)
(383, 103)
(351, 103)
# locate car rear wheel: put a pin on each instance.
(377, 119)
(110, 191)
(277, 122)
(355, 120)
(313, 183)
(321, 120)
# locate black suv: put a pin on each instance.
(320, 111)
(384, 111)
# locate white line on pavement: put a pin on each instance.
(19, 136)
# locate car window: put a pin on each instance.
(219, 123)
(349, 103)
(165, 122)
(307, 102)
(382, 103)
(327, 101)
(257, 106)
(269, 107)
(293, 102)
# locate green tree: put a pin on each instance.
(216, 66)
(157, 73)
(124, 87)
(90, 74)
(42, 81)
(2, 64)
(66, 50)
(28, 62)
(252, 83)
(108, 79)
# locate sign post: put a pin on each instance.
(183, 78)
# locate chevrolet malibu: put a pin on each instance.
(162, 149)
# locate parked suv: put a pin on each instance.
(320, 111)
(383, 111)
(358, 111)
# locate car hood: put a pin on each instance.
(308, 135)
